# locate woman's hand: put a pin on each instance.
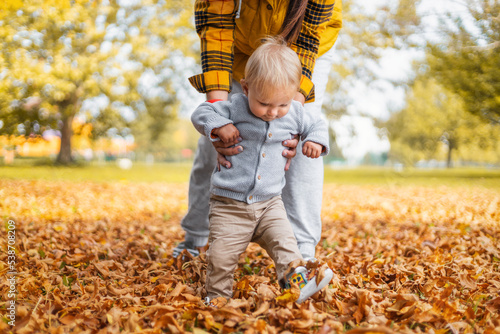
(224, 150)
(291, 144)
(291, 149)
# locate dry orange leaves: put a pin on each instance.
(95, 258)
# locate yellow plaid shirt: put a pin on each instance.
(227, 41)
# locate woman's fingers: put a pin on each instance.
(291, 150)
(229, 150)
(292, 143)
(222, 152)
(221, 161)
(226, 144)
(290, 153)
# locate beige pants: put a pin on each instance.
(233, 225)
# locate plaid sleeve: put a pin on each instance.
(318, 12)
(214, 20)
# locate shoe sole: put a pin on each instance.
(311, 288)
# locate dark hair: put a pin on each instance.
(293, 20)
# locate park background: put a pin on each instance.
(413, 84)
(96, 149)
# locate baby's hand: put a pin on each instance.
(227, 133)
(312, 150)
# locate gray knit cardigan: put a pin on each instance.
(257, 173)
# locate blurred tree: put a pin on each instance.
(435, 118)
(463, 48)
(365, 36)
(368, 33)
(166, 145)
(402, 24)
(467, 58)
(358, 48)
(56, 54)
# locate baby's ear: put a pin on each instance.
(244, 86)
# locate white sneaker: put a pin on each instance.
(307, 285)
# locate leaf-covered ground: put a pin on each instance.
(96, 258)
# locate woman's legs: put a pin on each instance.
(195, 222)
(303, 192)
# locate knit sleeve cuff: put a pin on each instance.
(212, 80)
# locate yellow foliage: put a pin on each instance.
(9, 5)
(54, 47)
(287, 296)
(104, 244)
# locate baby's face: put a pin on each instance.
(267, 106)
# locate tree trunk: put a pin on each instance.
(64, 157)
(451, 146)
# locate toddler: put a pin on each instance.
(245, 202)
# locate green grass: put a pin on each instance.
(179, 173)
(480, 177)
(109, 172)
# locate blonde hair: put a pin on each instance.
(273, 65)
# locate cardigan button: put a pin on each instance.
(250, 197)
(270, 135)
(269, 7)
(259, 177)
(263, 155)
